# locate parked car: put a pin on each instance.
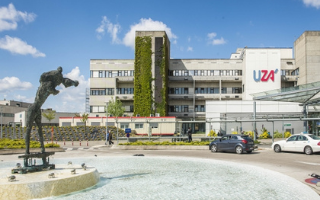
(306, 143)
(232, 143)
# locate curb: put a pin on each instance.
(33, 150)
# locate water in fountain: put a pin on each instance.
(184, 178)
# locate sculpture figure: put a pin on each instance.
(48, 83)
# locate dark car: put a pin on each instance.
(232, 143)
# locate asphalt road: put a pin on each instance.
(296, 165)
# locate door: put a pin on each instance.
(301, 142)
(290, 144)
(223, 145)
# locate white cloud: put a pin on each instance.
(189, 39)
(146, 25)
(9, 84)
(17, 46)
(213, 41)
(189, 49)
(9, 17)
(313, 3)
(112, 29)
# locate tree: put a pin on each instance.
(115, 108)
(49, 115)
(84, 119)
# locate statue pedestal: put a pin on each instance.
(30, 165)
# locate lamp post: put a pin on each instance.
(1, 121)
(106, 122)
(194, 98)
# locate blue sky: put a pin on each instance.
(38, 36)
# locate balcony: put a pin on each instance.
(125, 97)
(125, 79)
(289, 78)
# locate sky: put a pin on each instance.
(37, 36)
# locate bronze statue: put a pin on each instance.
(48, 83)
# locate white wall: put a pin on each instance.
(257, 60)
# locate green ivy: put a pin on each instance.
(164, 66)
(143, 76)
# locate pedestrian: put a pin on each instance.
(110, 138)
(189, 135)
(107, 137)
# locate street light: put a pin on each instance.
(106, 122)
(1, 121)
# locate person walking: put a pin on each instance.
(189, 135)
(110, 138)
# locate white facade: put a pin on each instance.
(141, 125)
(195, 85)
(243, 110)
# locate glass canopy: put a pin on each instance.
(304, 94)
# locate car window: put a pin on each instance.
(302, 138)
(292, 138)
(224, 138)
(234, 137)
(314, 137)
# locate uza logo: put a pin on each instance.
(265, 75)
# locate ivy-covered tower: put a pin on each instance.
(152, 54)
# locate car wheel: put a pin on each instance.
(239, 150)
(277, 148)
(249, 151)
(308, 150)
(213, 148)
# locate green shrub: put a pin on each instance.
(212, 134)
(287, 134)
(51, 145)
(277, 134)
(165, 143)
(249, 133)
(264, 135)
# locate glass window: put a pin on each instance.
(95, 74)
(102, 74)
(138, 126)
(293, 138)
(223, 90)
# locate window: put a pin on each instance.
(110, 91)
(102, 74)
(126, 73)
(138, 126)
(236, 90)
(95, 74)
(119, 73)
(109, 74)
(124, 125)
(224, 90)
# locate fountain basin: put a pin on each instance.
(39, 185)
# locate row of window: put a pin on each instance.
(111, 73)
(205, 72)
(110, 91)
(7, 114)
(115, 73)
(101, 109)
(211, 90)
(290, 72)
(175, 108)
(107, 91)
(185, 108)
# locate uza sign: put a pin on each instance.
(265, 75)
